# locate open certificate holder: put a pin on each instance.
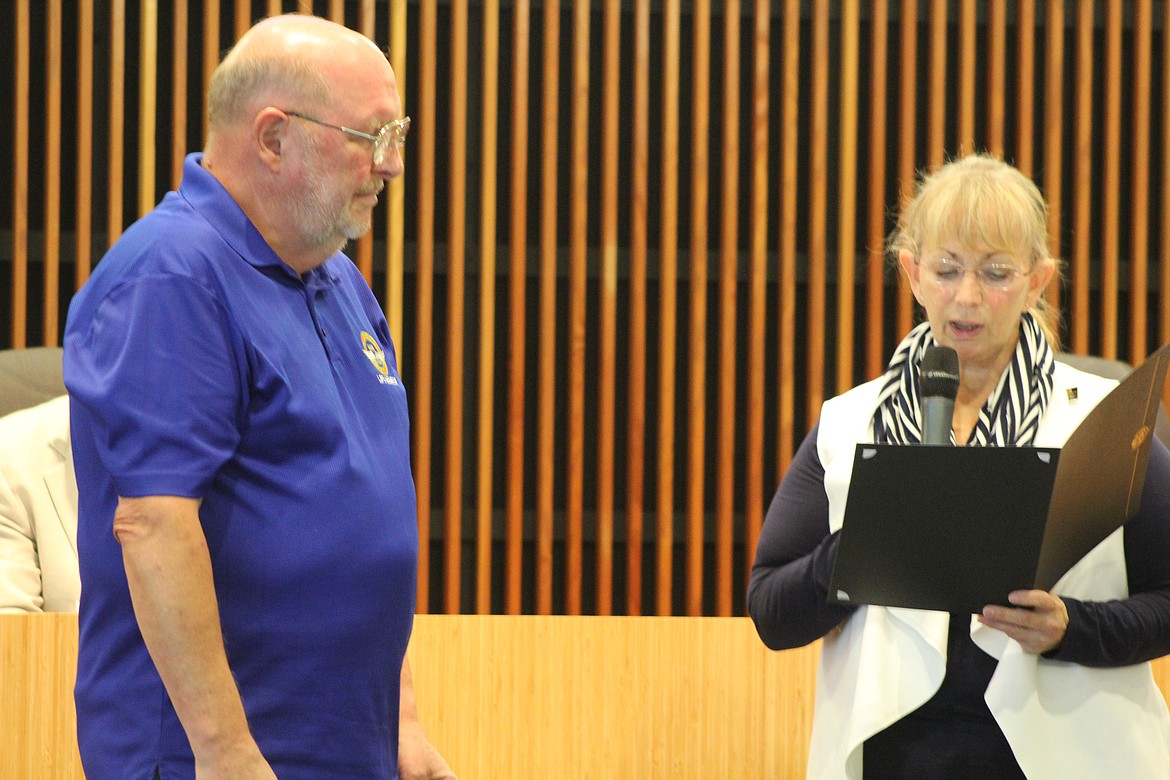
(957, 528)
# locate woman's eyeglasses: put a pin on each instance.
(946, 272)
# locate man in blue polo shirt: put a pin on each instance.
(247, 532)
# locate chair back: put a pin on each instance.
(29, 377)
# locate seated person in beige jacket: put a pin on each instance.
(38, 511)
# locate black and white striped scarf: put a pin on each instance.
(1011, 416)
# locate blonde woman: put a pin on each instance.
(1057, 685)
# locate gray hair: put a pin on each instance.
(242, 83)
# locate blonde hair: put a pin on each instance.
(980, 201)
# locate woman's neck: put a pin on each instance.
(975, 386)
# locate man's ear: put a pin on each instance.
(268, 130)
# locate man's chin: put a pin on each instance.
(356, 228)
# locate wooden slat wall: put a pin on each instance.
(636, 386)
(19, 167)
(547, 326)
(875, 194)
(83, 230)
(421, 375)
(456, 241)
(517, 297)
(790, 77)
(487, 309)
(147, 103)
(757, 285)
(664, 283)
(907, 115)
(728, 287)
(52, 171)
(1051, 180)
(668, 311)
(607, 368)
(1164, 221)
(1083, 171)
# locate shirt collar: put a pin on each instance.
(207, 196)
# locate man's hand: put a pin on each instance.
(1038, 620)
(417, 757)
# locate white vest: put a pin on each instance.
(1063, 721)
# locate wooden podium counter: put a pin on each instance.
(517, 697)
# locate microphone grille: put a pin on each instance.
(939, 372)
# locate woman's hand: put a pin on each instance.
(1037, 620)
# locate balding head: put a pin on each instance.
(291, 59)
(294, 111)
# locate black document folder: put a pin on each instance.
(957, 528)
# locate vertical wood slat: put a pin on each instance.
(456, 260)
(907, 113)
(876, 192)
(757, 283)
(1111, 217)
(243, 18)
(847, 191)
(274, 7)
(1053, 132)
(396, 191)
(364, 246)
(1025, 85)
(487, 306)
(52, 173)
(550, 83)
(607, 335)
(965, 143)
(178, 91)
(364, 257)
(1139, 202)
(19, 293)
(84, 140)
(578, 257)
(789, 188)
(636, 382)
(697, 334)
(818, 198)
(210, 52)
(996, 55)
(337, 11)
(518, 250)
(1083, 170)
(147, 103)
(667, 301)
(115, 153)
(728, 279)
(1164, 217)
(421, 422)
(936, 100)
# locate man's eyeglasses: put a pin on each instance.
(945, 272)
(392, 134)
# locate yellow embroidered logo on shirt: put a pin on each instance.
(374, 352)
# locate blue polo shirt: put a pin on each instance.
(200, 365)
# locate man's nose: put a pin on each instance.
(390, 165)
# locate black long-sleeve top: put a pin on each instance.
(788, 600)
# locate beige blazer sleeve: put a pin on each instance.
(38, 511)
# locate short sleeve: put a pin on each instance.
(158, 372)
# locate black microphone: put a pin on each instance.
(939, 379)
